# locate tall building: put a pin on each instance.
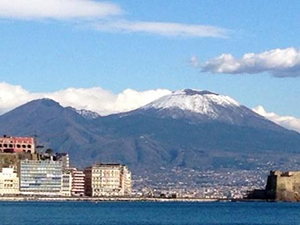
(17, 144)
(107, 180)
(39, 177)
(9, 182)
(77, 182)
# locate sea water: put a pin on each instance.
(148, 213)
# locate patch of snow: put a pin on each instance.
(87, 114)
(202, 102)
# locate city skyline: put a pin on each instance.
(127, 54)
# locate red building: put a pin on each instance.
(17, 144)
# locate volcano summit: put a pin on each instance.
(186, 129)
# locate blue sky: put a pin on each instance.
(148, 45)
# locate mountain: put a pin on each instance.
(187, 129)
(204, 107)
(201, 129)
(55, 126)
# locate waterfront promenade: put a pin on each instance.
(104, 199)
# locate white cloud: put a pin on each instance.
(163, 28)
(100, 13)
(57, 9)
(288, 122)
(95, 99)
(12, 96)
(277, 62)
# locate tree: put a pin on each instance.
(49, 151)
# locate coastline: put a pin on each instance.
(102, 199)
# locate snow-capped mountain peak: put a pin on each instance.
(199, 107)
(87, 113)
(202, 102)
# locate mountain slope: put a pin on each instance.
(192, 128)
(55, 126)
(204, 107)
(187, 129)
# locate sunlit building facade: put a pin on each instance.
(9, 182)
(39, 177)
(77, 182)
(66, 183)
(107, 180)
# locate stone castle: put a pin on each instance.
(281, 186)
(285, 186)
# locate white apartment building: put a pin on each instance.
(107, 180)
(77, 182)
(66, 187)
(126, 181)
(9, 182)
